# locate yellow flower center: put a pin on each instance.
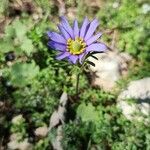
(76, 46)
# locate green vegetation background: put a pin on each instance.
(32, 81)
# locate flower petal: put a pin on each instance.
(76, 28)
(84, 27)
(57, 46)
(67, 26)
(56, 37)
(73, 58)
(97, 47)
(64, 32)
(93, 38)
(93, 25)
(62, 55)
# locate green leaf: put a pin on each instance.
(90, 63)
(9, 32)
(6, 46)
(27, 46)
(94, 57)
(22, 74)
(20, 29)
(87, 112)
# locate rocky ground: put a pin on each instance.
(110, 76)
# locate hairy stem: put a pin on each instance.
(78, 78)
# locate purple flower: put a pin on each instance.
(74, 43)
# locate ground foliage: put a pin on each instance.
(32, 81)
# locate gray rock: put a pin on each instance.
(108, 69)
(22, 145)
(56, 121)
(59, 114)
(134, 111)
(56, 143)
(140, 91)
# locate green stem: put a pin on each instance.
(78, 78)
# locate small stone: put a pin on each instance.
(71, 13)
(17, 119)
(39, 10)
(145, 8)
(1, 104)
(41, 131)
(23, 145)
(12, 145)
(9, 63)
(126, 57)
(115, 5)
(14, 136)
(35, 16)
